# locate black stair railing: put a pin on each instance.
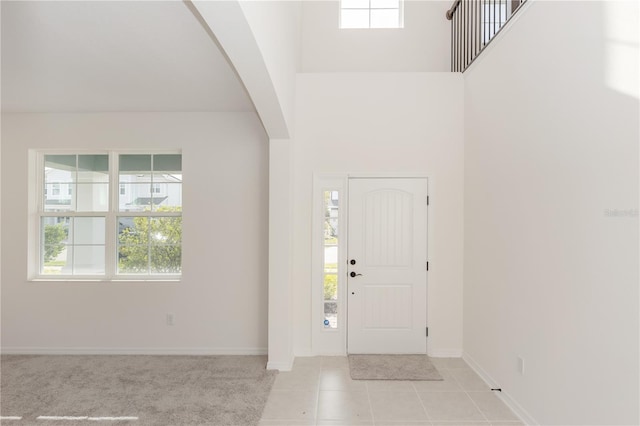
(474, 23)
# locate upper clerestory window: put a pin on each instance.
(371, 14)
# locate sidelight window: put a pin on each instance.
(331, 235)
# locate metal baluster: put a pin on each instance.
(479, 25)
(454, 52)
(470, 57)
(493, 33)
(464, 35)
(461, 12)
(451, 51)
(473, 29)
(483, 18)
(456, 17)
(458, 46)
(476, 37)
(458, 42)
(468, 33)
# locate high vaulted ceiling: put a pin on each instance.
(86, 56)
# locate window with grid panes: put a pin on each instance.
(110, 222)
(150, 214)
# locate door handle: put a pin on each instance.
(353, 274)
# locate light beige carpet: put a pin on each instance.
(157, 390)
(392, 367)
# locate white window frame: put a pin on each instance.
(37, 212)
(369, 9)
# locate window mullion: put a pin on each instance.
(37, 269)
(111, 225)
(40, 182)
(149, 244)
(151, 214)
(151, 193)
(77, 187)
(72, 230)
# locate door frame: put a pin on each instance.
(330, 341)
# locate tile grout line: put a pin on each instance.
(472, 401)
(317, 413)
(478, 407)
(467, 392)
(314, 420)
(421, 403)
(366, 386)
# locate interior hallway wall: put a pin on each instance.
(551, 212)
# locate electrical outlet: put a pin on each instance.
(521, 366)
(170, 319)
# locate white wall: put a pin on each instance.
(384, 123)
(551, 144)
(422, 45)
(221, 304)
(280, 255)
(276, 28)
(0, 167)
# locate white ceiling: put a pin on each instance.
(84, 56)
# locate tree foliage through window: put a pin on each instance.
(151, 244)
(54, 235)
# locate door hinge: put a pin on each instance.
(427, 200)
(427, 265)
(427, 328)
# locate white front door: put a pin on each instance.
(386, 271)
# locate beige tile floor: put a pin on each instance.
(320, 392)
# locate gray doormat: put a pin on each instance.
(392, 367)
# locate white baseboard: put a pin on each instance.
(444, 353)
(31, 350)
(280, 366)
(518, 410)
(323, 354)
